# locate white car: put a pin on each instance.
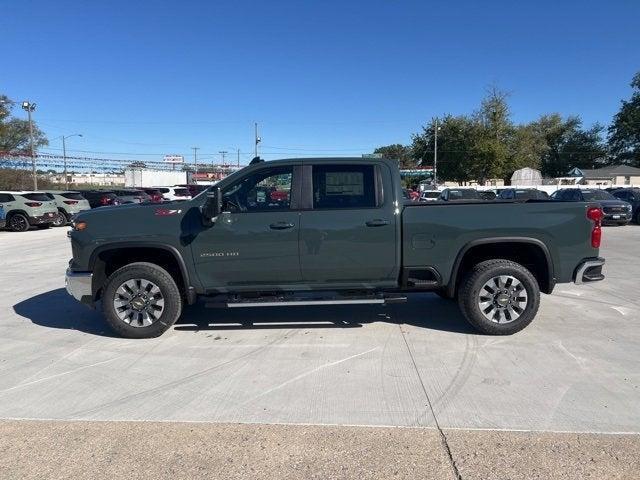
(430, 196)
(174, 193)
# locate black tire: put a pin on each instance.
(61, 220)
(471, 286)
(167, 286)
(18, 222)
(637, 218)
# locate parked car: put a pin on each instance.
(615, 210)
(3, 216)
(68, 203)
(129, 195)
(631, 196)
(523, 194)
(349, 231)
(26, 209)
(429, 196)
(174, 193)
(459, 195)
(100, 198)
(155, 195)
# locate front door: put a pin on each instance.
(254, 242)
(349, 236)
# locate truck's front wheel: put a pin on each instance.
(499, 297)
(141, 300)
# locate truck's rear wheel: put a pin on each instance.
(499, 297)
(141, 300)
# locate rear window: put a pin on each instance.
(181, 192)
(343, 186)
(37, 197)
(72, 195)
(163, 190)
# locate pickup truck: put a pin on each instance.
(338, 232)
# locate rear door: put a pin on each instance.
(348, 231)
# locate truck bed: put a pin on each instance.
(436, 233)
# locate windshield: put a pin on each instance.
(590, 195)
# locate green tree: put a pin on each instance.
(14, 132)
(398, 152)
(568, 145)
(492, 139)
(624, 132)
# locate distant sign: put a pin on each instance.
(173, 159)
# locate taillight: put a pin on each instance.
(33, 204)
(595, 215)
(70, 202)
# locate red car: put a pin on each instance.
(154, 194)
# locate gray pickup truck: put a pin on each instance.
(327, 231)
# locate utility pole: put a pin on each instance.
(64, 156)
(257, 138)
(223, 153)
(195, 162)
(30, 107)
(238, 157)
(435, 152)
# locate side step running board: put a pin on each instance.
(292, 302)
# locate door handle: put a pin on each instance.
(281, 225)
(377, 223)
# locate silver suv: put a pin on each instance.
(68, 203)
(25, 209)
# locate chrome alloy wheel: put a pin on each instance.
(138, 302)
(502, 299)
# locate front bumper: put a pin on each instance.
(78, 285)
(589, 270)
(617, 217)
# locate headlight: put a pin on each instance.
(79, 226)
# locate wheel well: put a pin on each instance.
(11, 213)
(109, 261)
(529, 255)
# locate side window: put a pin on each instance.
(265, 190)
(5, 197)
(344, 186)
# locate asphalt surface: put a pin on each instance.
(312, 382)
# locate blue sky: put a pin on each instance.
(323, 77)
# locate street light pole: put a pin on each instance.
(195, 162)
(30, 107)
(64, 156)
(257, 138)
(435, 152)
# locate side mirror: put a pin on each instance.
(211, 207)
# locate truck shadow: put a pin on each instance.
(56, 309)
